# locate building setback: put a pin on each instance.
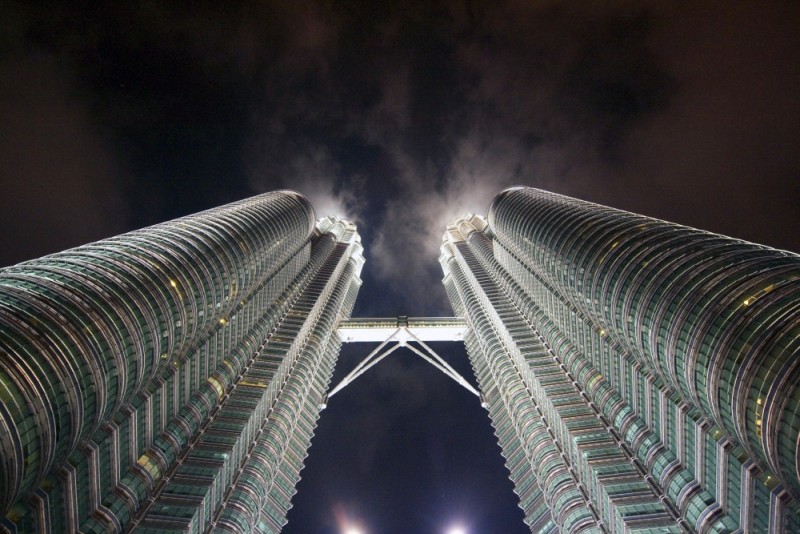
(640, 375)
(169, 379)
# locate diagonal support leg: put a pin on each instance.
(372, 359)
(403, 337)
(438, 362)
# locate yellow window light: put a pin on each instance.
(217, 385)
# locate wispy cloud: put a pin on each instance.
(510, 118)
(314, 172)
(404, 117)
(608, 106)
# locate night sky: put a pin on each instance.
(128, 114)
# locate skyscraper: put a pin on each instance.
(640, 375)
(169, 379)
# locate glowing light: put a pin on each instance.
(456, 530)
(348, 522)
(173, 283)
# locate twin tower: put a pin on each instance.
(641, 376)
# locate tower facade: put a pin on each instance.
(640, 375)
(169, 379)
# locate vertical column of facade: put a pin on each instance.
(653, 427)
(531, 456)
(604, 474)
(260, 497)
(102, 345)
(698, 333)
(647, 443)
(165, 453)
(180, 402)
(240, 470)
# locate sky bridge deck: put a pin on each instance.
(402, 328)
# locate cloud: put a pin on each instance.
(313, 172)
(405, 117)
(531, 102)
(659, 111)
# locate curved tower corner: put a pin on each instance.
(150, 380)
(639, 373)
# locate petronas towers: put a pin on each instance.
(641, 376)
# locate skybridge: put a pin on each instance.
(393, 333)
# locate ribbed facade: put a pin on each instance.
(169, 379)
(641, 376)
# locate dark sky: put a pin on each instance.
(127, 114)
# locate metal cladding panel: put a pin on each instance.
(715, 318)
(684, 343)
(127, 344)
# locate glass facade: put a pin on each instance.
(169, 379)
(641, 375)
